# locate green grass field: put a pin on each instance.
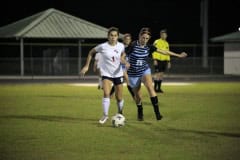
(60, 122)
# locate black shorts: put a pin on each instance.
(116, 81)
(161, 66)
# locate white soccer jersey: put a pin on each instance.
(98, 59)
(110, 59)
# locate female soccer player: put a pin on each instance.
(138, 53)
(113, 55)
(127, 39)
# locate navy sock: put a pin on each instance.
(159, 84)
(154, 101)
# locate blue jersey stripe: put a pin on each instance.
(138, 59)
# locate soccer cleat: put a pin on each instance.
(120, 112)
(159, 91)
(158, 116)
(140, 118)
(140, 114)
(103, 119)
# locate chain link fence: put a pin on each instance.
(70, 66)
(65, 60)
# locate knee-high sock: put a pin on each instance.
(140, 110)
(154, 101)
(159, 84)
(120, 106)
(105, 105)
(156, 85)
(139, 105)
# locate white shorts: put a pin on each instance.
(136, 81)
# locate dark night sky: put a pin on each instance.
(181, 18)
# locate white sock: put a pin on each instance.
(120, 105)
(105, 105)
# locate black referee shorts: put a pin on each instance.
(161, 66)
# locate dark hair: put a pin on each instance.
(127, 35)
(145, 30)
(163, 31)
(113, 29)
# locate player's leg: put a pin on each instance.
(135, 83)
(156, 75)
(128, 85)
(118, 82)
(159, 82)
(162, 68)
(112, 91)
(138, 100)
(147, 79)
(156, 82)
(107, 83)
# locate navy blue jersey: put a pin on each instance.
(138, 58)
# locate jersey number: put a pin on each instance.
(139, 63)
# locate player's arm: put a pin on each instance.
(89, 58)
(180, 55)
(155, 62)
(96, 60)
(124, 61)
(95, 65)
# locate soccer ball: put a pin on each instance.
(118, 120)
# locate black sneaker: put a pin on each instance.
(140, 114)
(159, 116)
(140, 118)
(159, 91)
(120, 112)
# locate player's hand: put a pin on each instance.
(169, 65)
(183, 55)
(127, 65)
(83, 71)
(155, 62)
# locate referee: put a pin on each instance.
(161, 61)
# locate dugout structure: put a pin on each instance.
(47, 43)
(231, 52)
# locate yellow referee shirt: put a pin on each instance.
(163, 45)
